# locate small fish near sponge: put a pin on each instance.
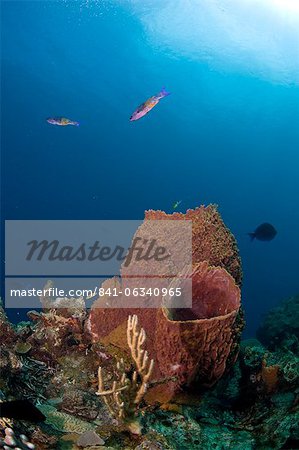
(191, 346)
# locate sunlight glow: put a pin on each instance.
(290, 6)
(255, 37)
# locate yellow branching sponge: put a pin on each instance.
(126, 393)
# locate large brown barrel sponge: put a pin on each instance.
(189, 345)
(212, 241)
(195, 343)
(186, 344)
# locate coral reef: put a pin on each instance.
(8, 334)
(269, 375)
(56, 331)
(64, 422)
(123, 398)
(281, 326)
(204, 391)
(253, 406)
(89, 439)
(11, 441)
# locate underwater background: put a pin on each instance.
(224, 374)
(228, 134)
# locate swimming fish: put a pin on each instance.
(143, 109)
(21, 410)
(176, 204)
(62, 121)
(264, 232)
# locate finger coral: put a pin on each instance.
(126, 393)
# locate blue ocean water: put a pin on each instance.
(228, 134)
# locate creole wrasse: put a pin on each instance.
(62, 121)
(143, 109)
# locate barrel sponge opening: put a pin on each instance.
(214, 294)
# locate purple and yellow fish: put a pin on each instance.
(62, 121)
(143, 109)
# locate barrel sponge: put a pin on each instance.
(195, 343)
(212, 241)
(188, 344)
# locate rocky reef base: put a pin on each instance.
(50, 362)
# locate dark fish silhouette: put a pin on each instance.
(264, 232)
(21, 410)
